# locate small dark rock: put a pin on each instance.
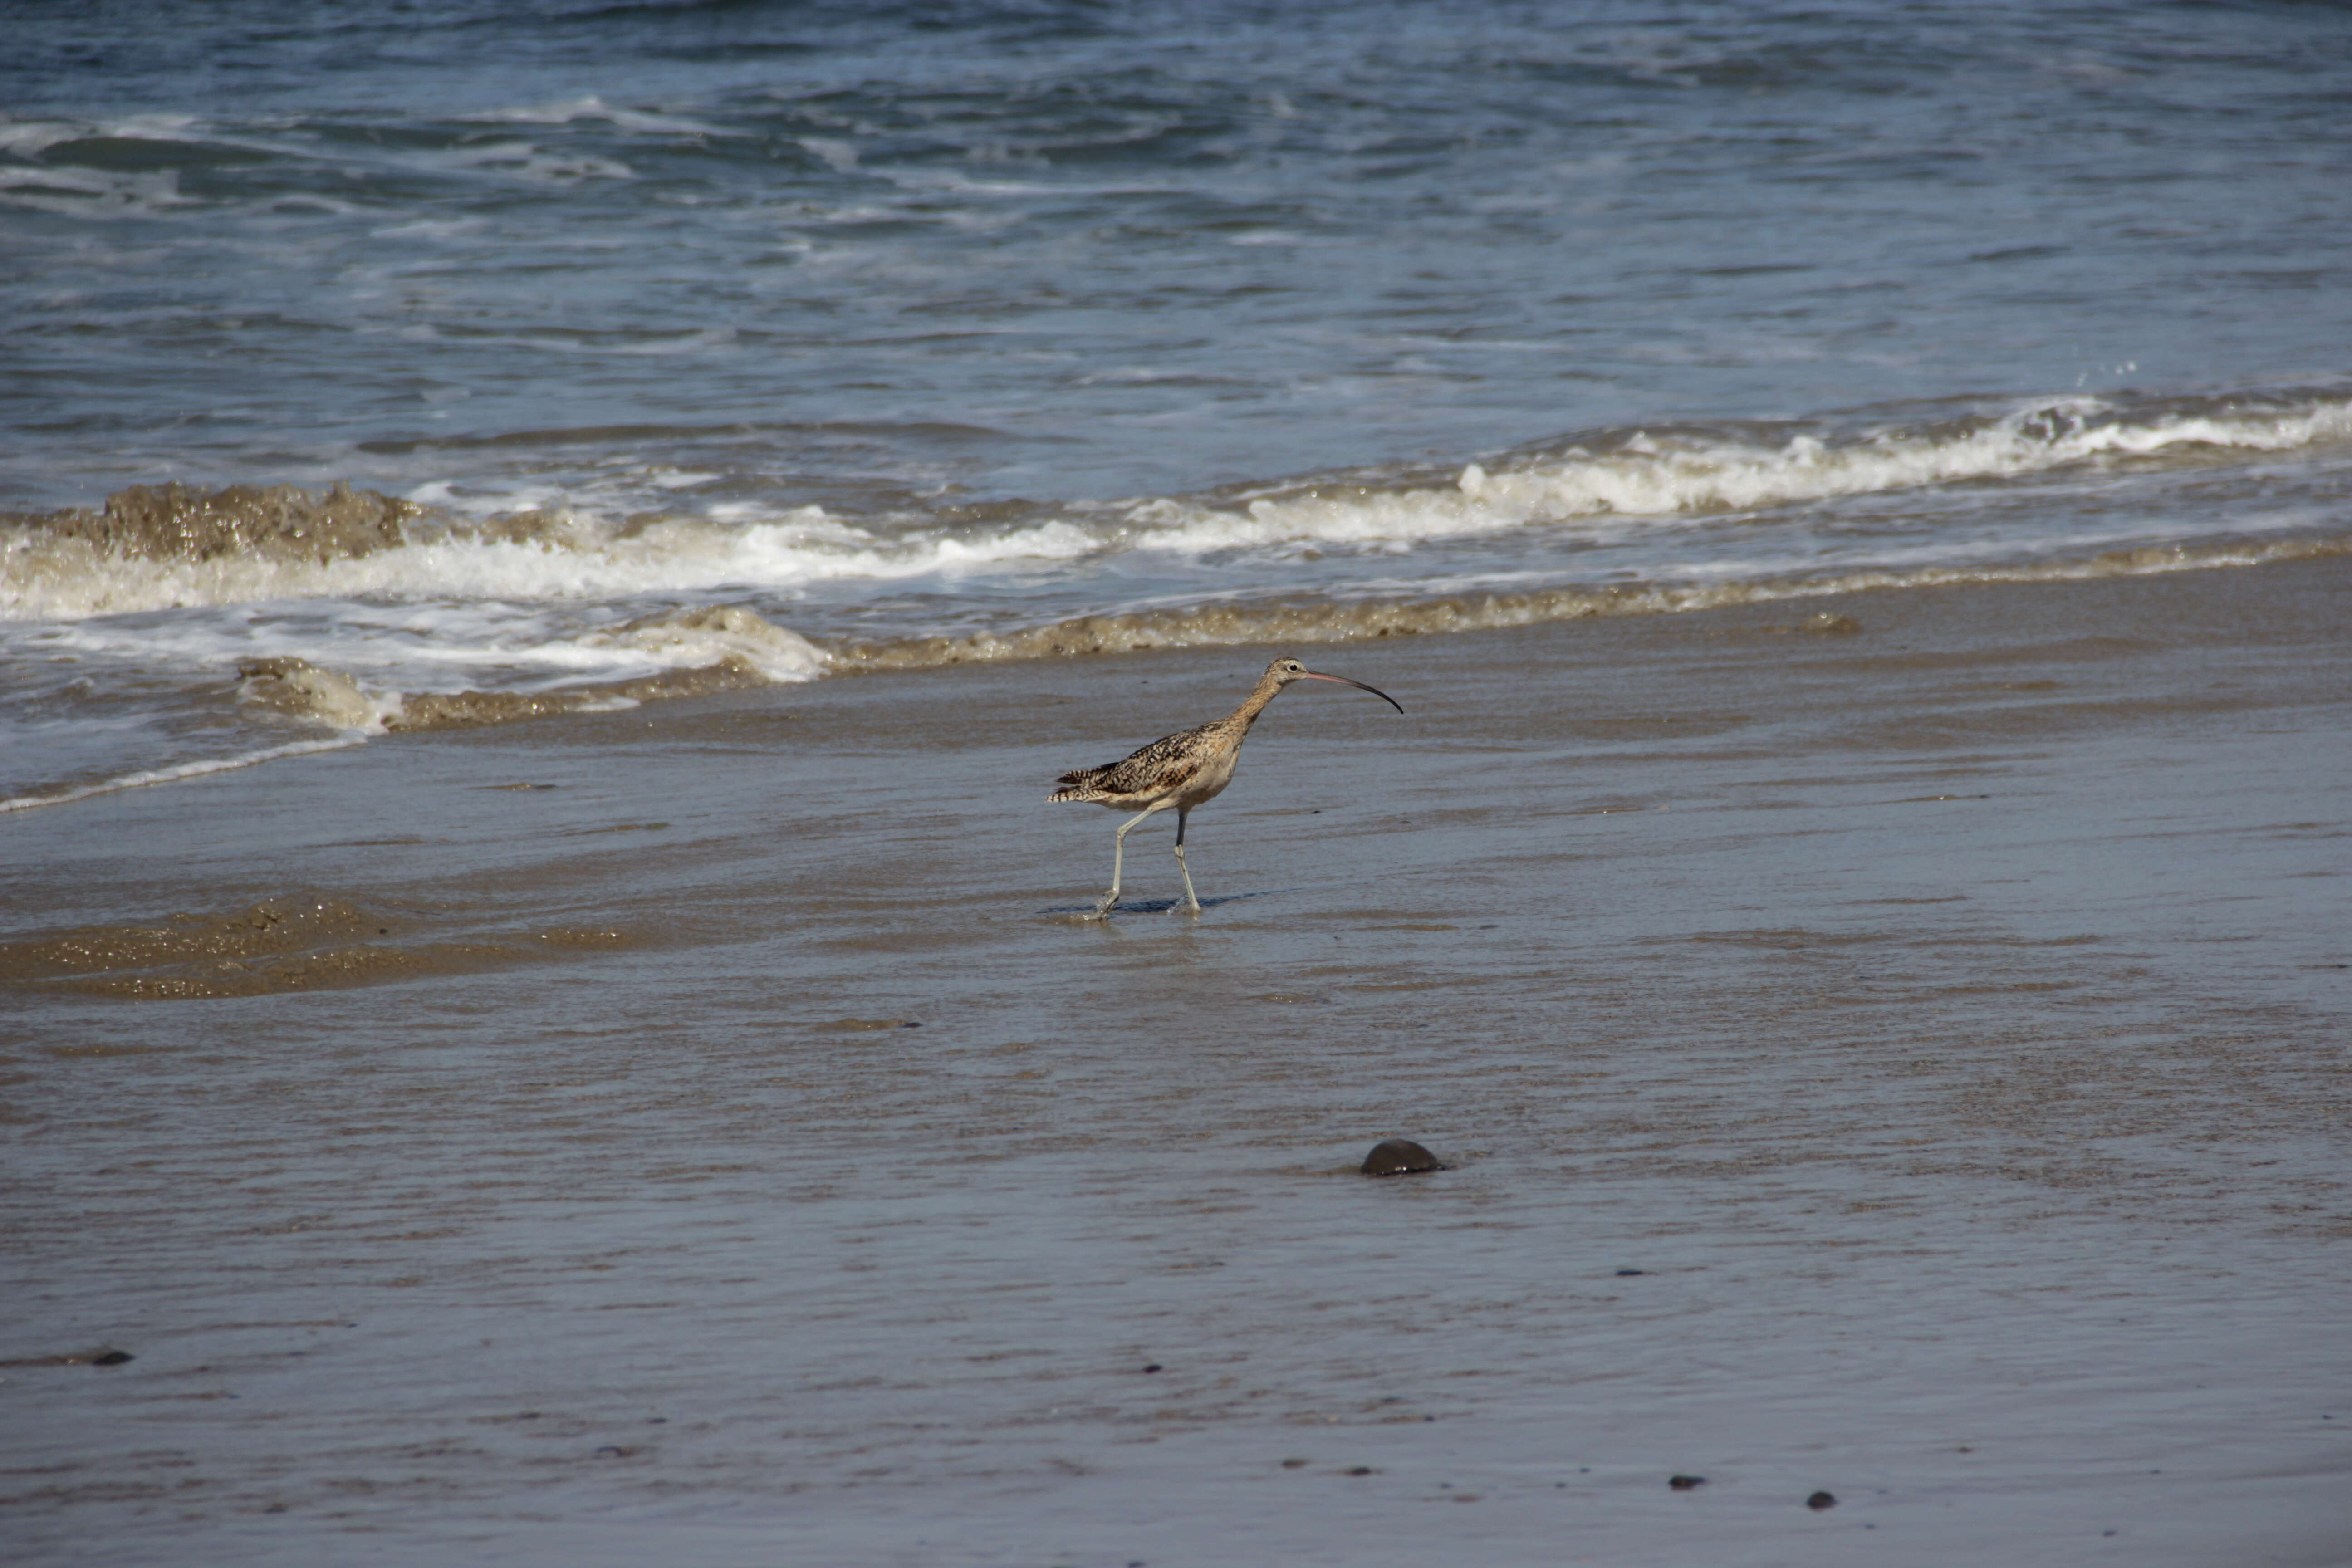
(1629, 1273)
(1684, 1483)
(109, 1358)
(1359, 1470)
(1820, 1501)
(1398, 1157)
(1152, 1367)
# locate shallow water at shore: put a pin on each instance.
(909, 334)
(710, 1124)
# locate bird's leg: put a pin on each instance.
(1191, 904)
(1118, 856)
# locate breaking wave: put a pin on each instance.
(1706, 470)
(724, 648)
(178, 548)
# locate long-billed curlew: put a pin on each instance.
(1184, 769)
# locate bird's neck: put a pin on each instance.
(1254, 703)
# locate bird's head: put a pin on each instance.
(1286, 669)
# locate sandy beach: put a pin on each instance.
(1891, 1046)
(551, 557)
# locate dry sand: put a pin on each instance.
(517, 1148)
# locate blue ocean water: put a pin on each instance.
(897, 323)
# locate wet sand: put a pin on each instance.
(709, 1130)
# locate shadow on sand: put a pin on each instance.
(1154, 906)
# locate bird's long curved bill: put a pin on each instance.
(1360, 686)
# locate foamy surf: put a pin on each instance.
(698, 653)
(690, 653)
(1663, 478)
(177, 550)
(73, 567)
(366, 613)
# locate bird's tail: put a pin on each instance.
(1080, 784)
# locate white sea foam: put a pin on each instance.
(842, 156)
(569, 111)
(440, 646)
(30, 138)
(1624, 491)
(368, 653)
(80, 191)
(61, 583)
(527, 161)
(1668, 479)
(431, 228)
(90, 193)
(710, 636)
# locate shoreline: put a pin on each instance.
(748, 651)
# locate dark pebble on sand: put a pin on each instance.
(1820, 1501)
(109, 1358)
(1629, 1273)
(1684, 1483)
(1398, 1157)
(1153, 1367)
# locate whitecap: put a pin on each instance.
(567, 112)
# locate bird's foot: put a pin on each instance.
(1185, 907)
(1104, 906)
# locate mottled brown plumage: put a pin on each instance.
(1183, 770)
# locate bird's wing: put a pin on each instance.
(1157, 775)
(1165, 764)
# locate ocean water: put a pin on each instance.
(706, 345)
